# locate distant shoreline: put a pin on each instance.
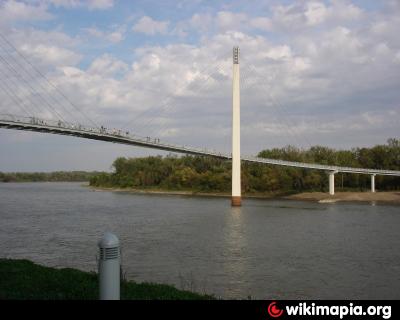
(47, 181)
(392, 197)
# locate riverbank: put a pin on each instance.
(260, 195)
(25, 280)
(392, 197)
(322, 197)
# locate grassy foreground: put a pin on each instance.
(23, 279)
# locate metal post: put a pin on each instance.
(372, 182)
(236, 181)
(342, 181)
(109, 267)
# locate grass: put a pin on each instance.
(25, 280)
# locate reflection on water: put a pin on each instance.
(264, 249)
(235, 250)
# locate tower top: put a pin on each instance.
(235, 55)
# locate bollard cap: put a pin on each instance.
(109, 240)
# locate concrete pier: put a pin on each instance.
(373, 183)
(332, 182)
(236, 182)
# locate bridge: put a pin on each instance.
(62, 127)
(9, 121)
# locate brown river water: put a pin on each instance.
(267, 249)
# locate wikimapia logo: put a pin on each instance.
(302, 309)
(274, 311)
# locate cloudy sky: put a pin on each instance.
(313, 72)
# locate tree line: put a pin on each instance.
(68, 176)
(206, 174)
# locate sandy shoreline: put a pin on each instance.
(186, 193)
(182, 193)
(163, 192)
(387, 197)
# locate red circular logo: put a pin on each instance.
(274, 311)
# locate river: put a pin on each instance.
(267, 249)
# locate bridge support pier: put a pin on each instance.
(236, 181)
(372, 182)
(332, 182)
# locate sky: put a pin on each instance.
(312, 73)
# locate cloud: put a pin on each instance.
(296, 16)
(90, 4)
(171, 91)
(114, 36)
(53, 55)
(14, 11)
(315, 13)
(53, 48)
(262, 23)
(107, 65)
(150, 26)
(230, 21)
(100, 4)
(201, 22)
(310, 14)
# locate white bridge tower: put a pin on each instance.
(236, 181)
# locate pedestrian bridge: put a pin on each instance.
(9, 121)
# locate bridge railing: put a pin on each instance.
(71, 126)
(58, 124)
(43, 122)
(322, 166)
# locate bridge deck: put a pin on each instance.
(58, 127)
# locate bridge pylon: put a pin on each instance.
(236, 180)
